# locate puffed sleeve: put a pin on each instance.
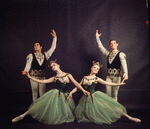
(28, 62)
(101, 47)
(123, 62)
(51, 50)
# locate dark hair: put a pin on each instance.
(37, 42)
(113, 40)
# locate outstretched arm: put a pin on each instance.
(53, 47)
(78, 85)
(100, 45)
(109, 83)
(50, 80)
(74, 90)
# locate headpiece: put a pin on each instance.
(97, 63)
(53, 61)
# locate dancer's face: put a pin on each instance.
(113, 45)
(54, 66)
(95, 69)
(37, 47)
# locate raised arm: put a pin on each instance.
(109, 83)
(53, 47)
(28, 64)
(50, 80)
(124, 65)
(78, 85)
(100, 45)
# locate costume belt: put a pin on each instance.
(37, 73)
(114, 72)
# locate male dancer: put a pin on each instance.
(115, 59)
(36, 63)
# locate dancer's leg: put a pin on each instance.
(18, 118)
(132, 118)
(34, 87)
(108, 88)
(115, 89)
(42, 87)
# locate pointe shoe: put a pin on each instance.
(134, 119)
(18, 118)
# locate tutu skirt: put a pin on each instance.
(53, 108)
(98, 108)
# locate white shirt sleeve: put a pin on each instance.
(101, 47)
(51, 50)
(123, 62)
(28, 62)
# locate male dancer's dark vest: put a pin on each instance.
(35, 65)
(36, 69)
(114, 69)
(115, 63)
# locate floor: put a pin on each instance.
(29, 123)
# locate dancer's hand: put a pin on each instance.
(53, 33)
(86, 93)
(24, 72)
(97, 34)
(125, 76)
(28, 75)
(70, 95)
(123, 81)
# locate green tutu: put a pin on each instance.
(98, 108)
(53, 108)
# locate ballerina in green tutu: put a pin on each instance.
(98, 107)
(53, 107)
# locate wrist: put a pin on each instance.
(83, 90)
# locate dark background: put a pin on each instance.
(24, 22)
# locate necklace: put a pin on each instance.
(88, 81)
(62, 78)
(39, 56)
(113, 54)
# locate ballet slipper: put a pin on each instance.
(18, 118)
(134, 119)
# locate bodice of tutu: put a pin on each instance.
(90, 87)
(62, 83)
(62, 87)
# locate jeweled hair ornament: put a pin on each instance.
(53, 61)
(97, 63)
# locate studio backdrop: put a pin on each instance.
(24, 22)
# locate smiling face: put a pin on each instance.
(54, 66)
(95, 69)
(37, 47)
(113, 44)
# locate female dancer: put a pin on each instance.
(53, 107)
(98, 107)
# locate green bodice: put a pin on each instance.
(62, 87)
(90, 88)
